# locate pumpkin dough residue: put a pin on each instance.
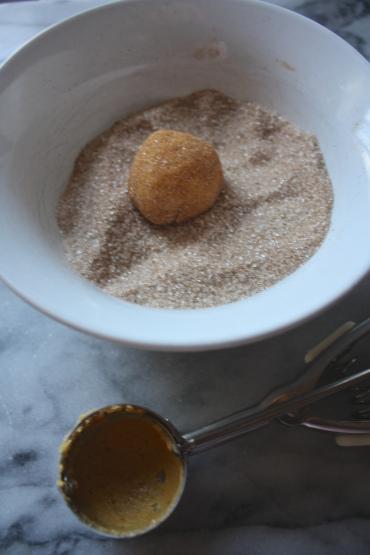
(120, 473)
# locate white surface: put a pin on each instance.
(76, 79)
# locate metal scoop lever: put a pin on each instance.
(251, 419)
(336, 358)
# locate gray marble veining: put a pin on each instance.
(279, 490)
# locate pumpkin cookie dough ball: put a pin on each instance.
(174, 177)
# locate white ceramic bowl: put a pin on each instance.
(74, 80)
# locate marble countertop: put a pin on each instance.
(279, 490)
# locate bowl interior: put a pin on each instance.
(76, 79)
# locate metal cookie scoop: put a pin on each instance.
(123, 467)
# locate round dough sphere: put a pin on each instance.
(174, 177)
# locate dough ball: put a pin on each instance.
(174, 177)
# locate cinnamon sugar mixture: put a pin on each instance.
(272, 214)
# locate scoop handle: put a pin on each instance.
(247, 420)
